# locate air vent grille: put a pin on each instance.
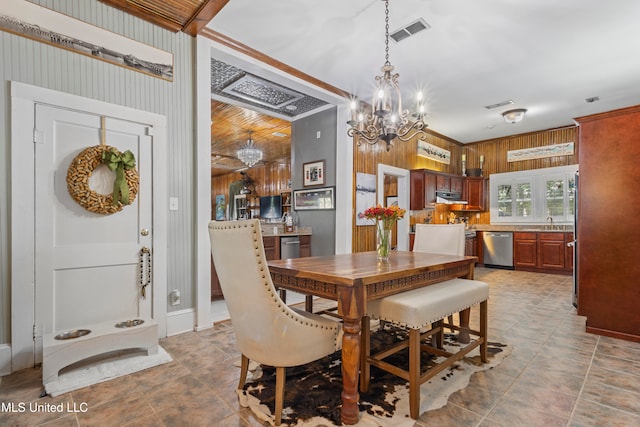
(409, 30)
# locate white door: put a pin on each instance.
(87, 265)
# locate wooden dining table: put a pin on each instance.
(353, 279)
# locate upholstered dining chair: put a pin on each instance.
(445, 239)
(267, 330)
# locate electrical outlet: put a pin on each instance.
(477, 216)
(174, 297)
(173, 203)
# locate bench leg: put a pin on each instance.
(414, 373)
(365, 351)
(484, 308)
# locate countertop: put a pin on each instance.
(523, 228)
(278, 230)
(473, 228)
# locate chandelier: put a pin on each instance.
(387, 120)
(249, 154)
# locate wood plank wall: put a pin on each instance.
(403, 155)
(270, 179)
(273, 178)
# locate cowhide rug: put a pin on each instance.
(312, 391)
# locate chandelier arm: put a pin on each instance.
(368, 137)
(406, 134)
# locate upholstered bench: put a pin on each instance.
(425, 307)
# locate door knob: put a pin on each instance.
(144, 232)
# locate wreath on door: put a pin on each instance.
(125, 186)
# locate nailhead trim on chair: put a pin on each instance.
(267, 282)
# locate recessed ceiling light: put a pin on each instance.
(280, 134)
(291, 107)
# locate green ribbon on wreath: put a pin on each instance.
(119, 163)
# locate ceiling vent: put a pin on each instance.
(409, 30)
(499, 104)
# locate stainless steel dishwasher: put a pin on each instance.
(498, 249)
(289, 247)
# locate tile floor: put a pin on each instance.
(557, 375)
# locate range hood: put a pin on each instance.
(449, 198)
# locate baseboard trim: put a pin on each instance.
(5, 359)
(181, 321)
(612, 334)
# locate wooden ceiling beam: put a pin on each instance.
(147, 14)
(199, 20)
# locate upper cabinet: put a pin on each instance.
(425, 183)
(448, 183)
(535, 196)
(423, 190)
(475, 193)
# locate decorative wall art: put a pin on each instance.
(44, 25)
(365, 196)
(313, 173)
(433, 152)
(314, 199)
(565, 149)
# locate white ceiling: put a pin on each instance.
(547, 56)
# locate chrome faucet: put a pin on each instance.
(550, 219)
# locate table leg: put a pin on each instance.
(351, 308)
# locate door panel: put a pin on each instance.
(87, 264)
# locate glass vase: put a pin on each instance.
(383, 243)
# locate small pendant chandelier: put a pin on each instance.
(249, 154)
(387, 120)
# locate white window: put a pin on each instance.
(534, 196)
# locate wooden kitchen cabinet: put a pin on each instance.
(551, 252)
(457, 184)
(449, 183)
(305, 246)
(471, 246)
(425, 183)
(608, 247)
(271, 247)
(542, 252)
(475, 193)
(525, 253)
(423, 189)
